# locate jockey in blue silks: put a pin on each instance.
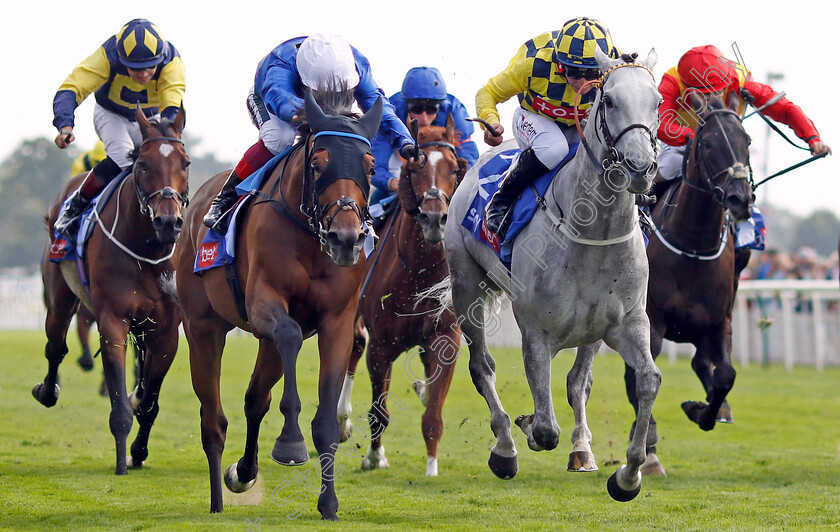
(321, 63)
(423, 97)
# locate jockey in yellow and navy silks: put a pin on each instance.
(424, 98)
(135, 66)
(545, 74)
(319, 63)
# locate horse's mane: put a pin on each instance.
(336, 102)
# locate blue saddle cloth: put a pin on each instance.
(63, 248)
(489, 177)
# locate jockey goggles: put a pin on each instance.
(429, 109)
(589, 74)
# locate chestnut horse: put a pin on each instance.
(127, 263)
(314, 201)
(408, 261)
(694, 266)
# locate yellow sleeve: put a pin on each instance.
(88, 75)
(172, 84)
(502, 87)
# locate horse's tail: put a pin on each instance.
(168, 285)
(440, 295)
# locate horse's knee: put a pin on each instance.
(287, 335)
(724, 377)
(120, 421)
(647, 383)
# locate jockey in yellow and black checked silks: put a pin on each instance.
(536, 73)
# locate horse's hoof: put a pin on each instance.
(502, 466)
(129, 463)
(85, 362)
(43, 396)
(724, 414)
(345, 429)
(619, 494)
(375, 459)
(652, 467)
(696, 410)
(422, 391)
(289, 453)
(234, 484)
(582, 461)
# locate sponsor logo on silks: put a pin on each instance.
(489, 237)
(557, 111)
(207, 254)
(59, 249)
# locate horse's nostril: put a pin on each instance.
(443, 219)
(333, 240)
(423, 218)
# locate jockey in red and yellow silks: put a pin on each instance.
(703, 69)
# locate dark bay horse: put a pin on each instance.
(314, 201)
(410, 259)
(694, 266)
(127, 263)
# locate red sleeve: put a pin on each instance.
(783, 111)
(671, 131)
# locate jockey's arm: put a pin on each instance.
(788, 113)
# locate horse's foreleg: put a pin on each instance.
(61, 304)
(161, 347)
(578, 388)
(379, 362)
(542, 428)
(713, 366)
(633, 343)
(84, 320)
(268, 369)
(441, 355)
(114, 332)
(345, 405)
(335, 340)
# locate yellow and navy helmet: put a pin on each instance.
(575, 47)
(139, 44)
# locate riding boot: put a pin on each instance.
(527, 169)
(68, 223)
(223, 201)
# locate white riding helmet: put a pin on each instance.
(326, 62)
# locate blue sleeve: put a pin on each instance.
(466, 147)
(277, 82)
(64, 109)
(367, 92)
(381, 150)
(169, 113)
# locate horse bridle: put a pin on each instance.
(319, 218)
(737, 170)
(603, 131)
(434, 192)
(165, 193)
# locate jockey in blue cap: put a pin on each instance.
(423, 97)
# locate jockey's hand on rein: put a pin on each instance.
(408, 152)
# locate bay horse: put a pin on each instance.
(128, 266)
(578, 274)
(314, 201)
(694, 266)
(409, 260)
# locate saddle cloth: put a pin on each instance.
(62, 247)
(489, 177)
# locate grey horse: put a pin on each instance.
(578, 275)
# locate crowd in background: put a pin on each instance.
(804, 263)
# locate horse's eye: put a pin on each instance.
(315, 167)
(608, 102)
(187, 164)
(142, 166)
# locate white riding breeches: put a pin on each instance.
(276, 134)
(549, 140)
(119, 134)
(670, 161)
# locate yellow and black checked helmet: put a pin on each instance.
(139, 44)
(575, 47)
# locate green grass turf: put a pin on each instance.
(776, 467)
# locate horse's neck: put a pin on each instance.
(693, 216)
(587, 199)
(132, 225)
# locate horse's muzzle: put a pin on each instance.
(344, 246)
(167, 227)
(432, 224)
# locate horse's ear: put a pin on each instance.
(142, 121)
(180, 120)
(463, 166)
(314, 115)
(370, 120)
(450, 127)
(651, 59)
(604, 61)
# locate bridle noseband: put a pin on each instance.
(432, 193)
(165, 193)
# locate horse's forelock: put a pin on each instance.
(337, 102)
